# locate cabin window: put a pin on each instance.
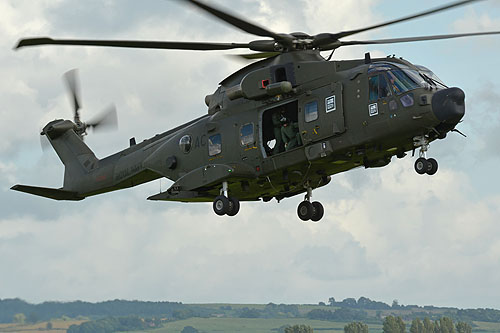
(185, 144)
(214, 145)
(311, 111)
(280, 74)
(246, 134)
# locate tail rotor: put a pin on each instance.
(105, 120)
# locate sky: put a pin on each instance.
(387, 234)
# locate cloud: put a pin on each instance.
(328, 264)
(475, 21)
(387, 233)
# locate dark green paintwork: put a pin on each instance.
(294, 77)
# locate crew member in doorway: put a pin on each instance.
(277, 118)
(290, 134)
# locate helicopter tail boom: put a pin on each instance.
(51, 193)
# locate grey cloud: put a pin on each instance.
(325, 263)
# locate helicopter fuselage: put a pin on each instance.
(340, 114)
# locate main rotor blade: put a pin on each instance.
(410, 39)
(132, 44)
(236, 21)
(254, 56)
(336, 36)
(71, 79)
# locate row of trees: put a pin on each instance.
(342, 314)
(112, 324)
(443, 325)
(397, 325)
(362, 303)
(47, 310)
(270, 311)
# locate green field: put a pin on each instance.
(257, 325)
(220, 325)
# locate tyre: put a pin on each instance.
(421, 165)
(234, 206)
(432, 166)
(221, 205)
(318, 211)
(305, 210)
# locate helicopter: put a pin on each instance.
(276, 128)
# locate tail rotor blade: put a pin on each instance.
(106, 120)
(71, 79)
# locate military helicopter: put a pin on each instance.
(279, 127)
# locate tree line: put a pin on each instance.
(112, 324)
(32, 313)
(393, 324)
(347, 310)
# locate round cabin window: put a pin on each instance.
(185, 143)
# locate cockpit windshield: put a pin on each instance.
(403, 78)
(430, 76)
(400, 81)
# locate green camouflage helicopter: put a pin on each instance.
(276, 128)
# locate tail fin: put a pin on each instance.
(76, 156)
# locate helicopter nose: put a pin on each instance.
(449, 105)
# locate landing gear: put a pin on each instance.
(423, 165)
(310, 211)
(234, 206)
(221, 205)
(319, 211)
(224, 205)
(305, 210)
(432, 166)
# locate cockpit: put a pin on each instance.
(400, 78)
(431, 78)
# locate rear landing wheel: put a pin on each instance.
(318, 212)
(432, 166)
(305, 210)
(421, 165)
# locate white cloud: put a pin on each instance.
(387, 233)
(475, 21)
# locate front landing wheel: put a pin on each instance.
(221, 205)
(234, 206)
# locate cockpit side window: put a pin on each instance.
(373, 88)
(384, 90)
(378, 87)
